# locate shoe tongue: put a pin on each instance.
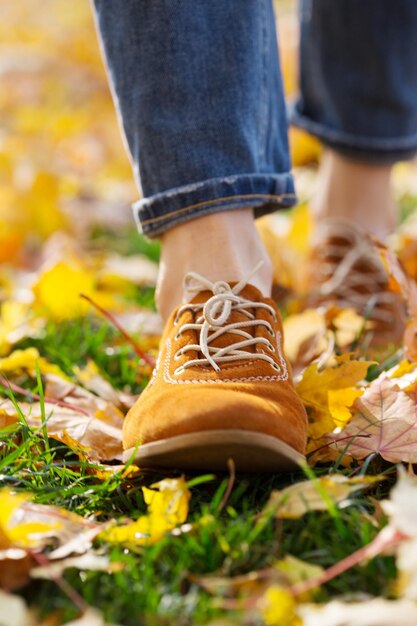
(249, 292)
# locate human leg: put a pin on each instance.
(200, 98)
(358, 94)
(358, 87)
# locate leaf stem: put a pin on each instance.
(387, 538)
(138, 350)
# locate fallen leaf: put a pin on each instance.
(17, 322)
(401, 507)
(249, 585)
(100, 440)
(167, 508)
(374, 612)
(297, 570)
(279, 608)
(57, 292)
(316, 495)
(305, 149)
(348, 325)
(29, 525)
(305, 332)
(89, 561)
(90, 377)
(330, 389)
(24, 531)
(25, 361)
(59, 388)
(404, 375)
(15, 565)
(385, 422)
(14, 612)
(406, 561)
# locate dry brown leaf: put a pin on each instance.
(58, 388)
(90, 377)
(27, 525)
(15, 565)
(102, 441)
(89, 561)
(385, 423)
(316, 495)
(14, 612)
(373, 612)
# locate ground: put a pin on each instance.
(165, 548)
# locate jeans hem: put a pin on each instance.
(264, 192)
(365, 148)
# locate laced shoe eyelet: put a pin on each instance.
(179, 370)
(271, 347)
(276, 367)
(270, 331)
(177, 336)
(177, 355)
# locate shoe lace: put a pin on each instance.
(345, 279)
(211, 323)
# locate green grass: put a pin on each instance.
(156, 585)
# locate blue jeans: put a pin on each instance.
(198, 89)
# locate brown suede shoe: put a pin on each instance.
(221, 388)
(346, 270)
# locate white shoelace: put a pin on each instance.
(343, 279)
(212, 324)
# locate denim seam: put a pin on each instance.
(263, 106)
(213, 201)
(362, 142)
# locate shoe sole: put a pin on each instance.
(211, 450)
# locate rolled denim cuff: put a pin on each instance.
(265, 193)
(373, 150)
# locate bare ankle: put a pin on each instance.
(221, 246)
(357, 193)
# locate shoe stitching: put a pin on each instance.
(168, 379)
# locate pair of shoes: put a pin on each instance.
(345, 270)
(221, 389)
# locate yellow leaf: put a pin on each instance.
(279, 608)
(305, 149)
(58, 290)
(315, 387)
(301, 226)
(16, 322)
(170, 501)
(23, 534)
(25, 361)
(340, 401)
(167, 507)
